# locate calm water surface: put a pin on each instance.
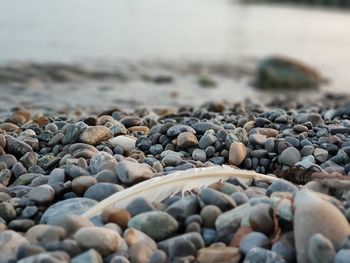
(78, 30)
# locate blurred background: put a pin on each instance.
(94, 54)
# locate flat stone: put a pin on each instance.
(257, 255)
(16, 147)
(179, 128)
(233, 217)
(127, 143)
(209, 196)
(7, 211)
(82, 183)
(195, 238)
(253, 240)
(321, 155)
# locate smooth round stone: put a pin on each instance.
(321, 155)
(331, 223)
(29, 212)
(237, 153)
(42, 194)
(117, 216)
(131, 121)
(131, 172)
(300, 128)
(307, 150)
(82, 183)
(106, 176)
(133, 236)
(186, 140)
(16, 147)
(127, 143)
(270, 145)
(139, 205)
(94, 135)
(28, 160)
(207, 140)
(8, 159)
(233, 217)
(10, 242)
(290, 156)
(75, 171)
(209, 214)
(179, 128)
(181, 249)
(342, 256)
(209, 196)
(7, 211)
(140, 252)
(320, 249)
(183, 208)
(101, 239)
(21, 225)
(287, 251)
(257, 139)
(27, 250)
(171, 159)
(72, 133)
(63, 208)
(119, 259)
(158, 256)
(209, 236)
(100, 191)
(89, 256)
(199, 155)
(156, 224)
(281, 186)
(18, 169)
(156, 149)
(257, 255)
(193, 237)
(240, 198)
(218, 254)
(102, 161)
(202, 127)
(253, 240)
(72, 223)
(56, 176)
(260, 218)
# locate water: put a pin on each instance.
(220, 30)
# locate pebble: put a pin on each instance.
(257, 255)
(175, 130)
(290, 156)
(63, 208)
(100, 191)
(127, 143)
(10, 242)
(82, 183)
(309, 209)
(95, 135)
(210, 196)
(342, 256)
(321, 155)
(253, 240)
(102, 161)
(233, 217)
(237, 153)
(139, 205)
(115, 215)
(193, 237)
(260, 218)
(132, 172)
(101, 239)
(183, 208)
(7, 211)
(199, 155)
(156, 224)
(90, 256)
(42, 194)
(218, 254)
(320, 249)
(209, 214)
(186, 140)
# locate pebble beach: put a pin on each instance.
(53, 168)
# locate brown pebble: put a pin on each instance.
(238, 236)
(237, 153)
(186, 139)
(117, 216)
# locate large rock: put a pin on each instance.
(281, 72)
(314, 215)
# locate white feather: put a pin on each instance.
(159, 188)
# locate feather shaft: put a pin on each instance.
(159, 188)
